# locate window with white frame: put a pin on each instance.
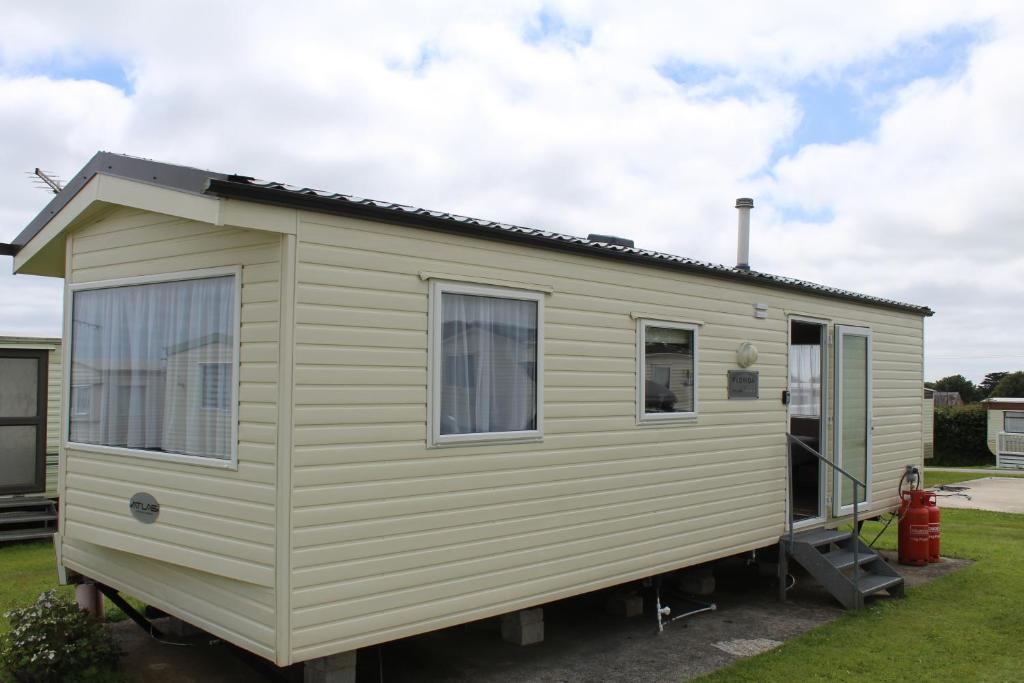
(216, 385)
(156, 356)
(486, 356)
(81, 400)
(1013, 422)
(667, 370)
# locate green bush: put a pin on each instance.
(52, 641)
(960, 433)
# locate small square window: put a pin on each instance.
(667, 363)
(1013, 422)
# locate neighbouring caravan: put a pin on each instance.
(1006, 431)
(320, 422)
(928, 422)
(30, 385)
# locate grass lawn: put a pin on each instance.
(966, 626)
(28, 569)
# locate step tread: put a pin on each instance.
(872, 583)
(25, 534)
(843, 559)
(24, 502)
(26, 516)
(818, 537)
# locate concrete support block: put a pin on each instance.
(179, 629)
(697, 581)
(627, 605)
(339, 668)
(90, 600)
(524, 627)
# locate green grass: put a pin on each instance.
(28, 569)
(965, 626)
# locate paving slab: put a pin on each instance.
(582, 642)
(998, 494)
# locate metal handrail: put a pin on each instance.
(856, 483)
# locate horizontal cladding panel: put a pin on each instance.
(177, 516)
(447, 574)
(321, 544)
(191, 479)
(240, 613)
(407, 463)
(411, 486)
(110, 536)
(327, 514)
(381, 556)
(380, 521)
(171, 230)
(175, 531)
(374, 246)
(536, 586)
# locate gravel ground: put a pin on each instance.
(582, 642)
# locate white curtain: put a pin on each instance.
(140, 350)
(488, 365)
(805, 380)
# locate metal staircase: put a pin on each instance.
(843, 564)
(848, 568)
(23, 518)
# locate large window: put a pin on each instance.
(667, 370)
(1013, 422)
(486, 351)
(158, 362)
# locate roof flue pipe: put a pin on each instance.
(744, 204)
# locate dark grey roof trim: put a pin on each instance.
(166, 175)
(198, 181)
(242, 187)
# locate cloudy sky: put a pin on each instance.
(882, 141)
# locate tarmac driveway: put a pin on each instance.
(998, 494)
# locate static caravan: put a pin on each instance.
(1006, 431)
(928, 422)
(322, 422)
(30, 384)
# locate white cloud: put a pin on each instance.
(447, 106)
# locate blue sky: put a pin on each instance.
(881, 143)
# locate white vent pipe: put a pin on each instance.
(744, 204)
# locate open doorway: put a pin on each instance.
(806, 418)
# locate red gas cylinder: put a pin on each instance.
(914, 519)
(934, 527)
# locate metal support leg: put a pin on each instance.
(783, 570)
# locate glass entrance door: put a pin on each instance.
(853, 423)
(22, 421)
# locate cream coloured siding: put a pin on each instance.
(995, 426)
(391, 538)
(53, 418)
(211, 557)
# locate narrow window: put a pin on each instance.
(485, 350)
(1013, 422)
(216, 383)
(81, 400)
(154, 366)
(667, 362)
